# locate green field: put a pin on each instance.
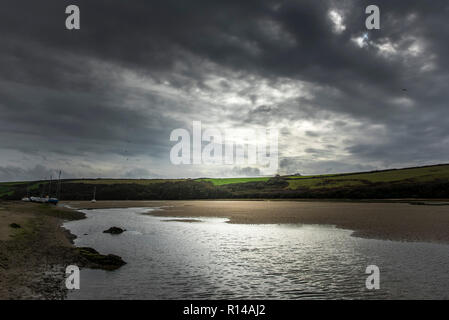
(421, 174)
(224, 181)
(5, 191)
(7, 188)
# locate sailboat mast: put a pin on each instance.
(43, 188)
(49, 187)
(58, 190)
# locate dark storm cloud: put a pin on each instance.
(62, 91)
(12, 173)
(152, 37)
(78, 122)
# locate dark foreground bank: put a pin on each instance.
(35, 251)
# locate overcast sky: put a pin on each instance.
(101, 101)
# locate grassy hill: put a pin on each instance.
(123, 181)
(408, 175)
(418, 182)
(224, 181)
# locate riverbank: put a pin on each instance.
(381, 220)
(34, 255)
(35, 252)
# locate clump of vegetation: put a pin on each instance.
(277, 181)
(100, 261)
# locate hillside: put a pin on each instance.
(418, 182)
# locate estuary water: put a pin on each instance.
(207, 258)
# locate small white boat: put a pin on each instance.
(39, 199)
(48, 198)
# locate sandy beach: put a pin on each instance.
(390, 221)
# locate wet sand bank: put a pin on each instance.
(390, 221)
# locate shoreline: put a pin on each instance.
(34, 255)
(425, 221)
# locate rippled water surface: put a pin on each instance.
(213, 259)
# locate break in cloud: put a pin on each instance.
(102, 101)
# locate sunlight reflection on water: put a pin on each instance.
(212, 259)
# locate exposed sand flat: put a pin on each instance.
(393, 221)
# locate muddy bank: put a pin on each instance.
(381, 220)
(33, 257)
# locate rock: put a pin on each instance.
(114, 230)
(111, 261)
(15, 225)
(97, 260)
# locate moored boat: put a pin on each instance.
(48, 198)
(53, 200)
